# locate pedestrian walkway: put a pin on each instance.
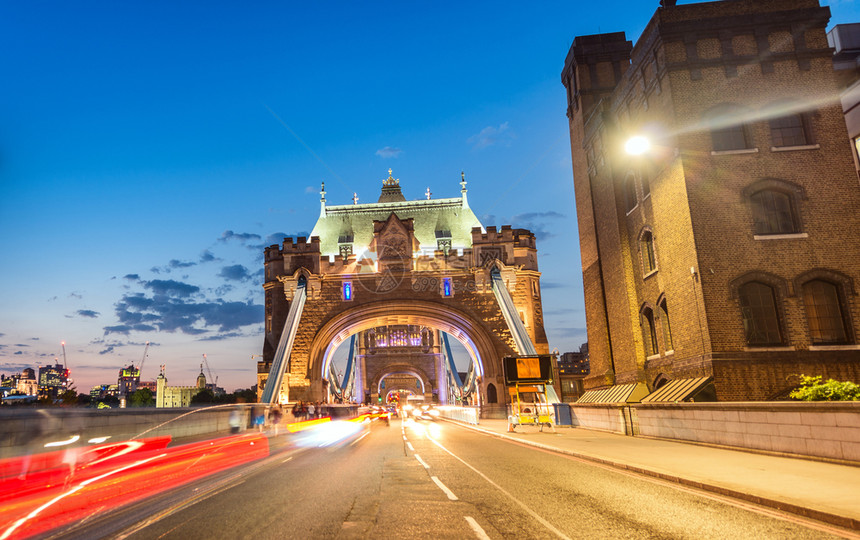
(824, 491)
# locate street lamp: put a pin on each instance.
(638, 145)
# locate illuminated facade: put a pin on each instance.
(128, 380)
(176, 396)
(397, 272)
(53, 381)
(730, 249)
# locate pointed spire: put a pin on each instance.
(428, 193)
(463, 189)
(322, 192)
(354, 198)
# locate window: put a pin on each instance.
(788, 131)
(728, 130)
(729, 138)
(645, 176)
(773, 212)
(649, 334)
(664, 323)
(646, 247)
(823, 313)
(443, 241)
(629, 192)
(758, 309)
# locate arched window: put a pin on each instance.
(491, 393)
(760, 318)
(789, 130)
(824, 313)
(646, 247)
(649, 333)
(664, 323)
(773, 212)
(630, 192)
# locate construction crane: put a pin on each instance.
(65, 365)
(209, 371)
(145, 349)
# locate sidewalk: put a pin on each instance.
(824, 491)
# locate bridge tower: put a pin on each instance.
(399, 269)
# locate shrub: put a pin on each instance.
(812, 389)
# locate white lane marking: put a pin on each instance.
(521, 504)
(366, 433)
(479, 532)
(404, 438)
(444, 488)
(421, 461)
(409, 445)
(286, 460)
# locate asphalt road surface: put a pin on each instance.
(438, 480)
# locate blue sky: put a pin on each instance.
(148, 151)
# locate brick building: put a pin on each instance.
(740, 223)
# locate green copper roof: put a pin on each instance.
(432, 219)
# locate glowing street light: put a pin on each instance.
(638, 145)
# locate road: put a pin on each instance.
(437, 480)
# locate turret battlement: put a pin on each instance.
(521, 237)
(301, 245)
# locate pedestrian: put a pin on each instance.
(311, 410)
(235, 421)
(275, 417)
(258, 417)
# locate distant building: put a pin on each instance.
(572, 369)
(53, 381)
(176, 396)
(128, 380)
(740, 223)
(102, 391)
(28, 385)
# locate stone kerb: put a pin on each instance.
(825, 430)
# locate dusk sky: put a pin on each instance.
(150, 150)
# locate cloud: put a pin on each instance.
(569, 332)
(174, 263)
(88, 313)
(75, 295)
(169, 287)
(389, 152)
(207, 256)
(19, 352)
(311, 189)
(536, 223)
(236, 272)
(490, 136)
(164, 313)
(242, 238)
(132, 277)
(14, 367)
(553, 285)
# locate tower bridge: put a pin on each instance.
(397, 279)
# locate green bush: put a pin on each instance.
(812, 389)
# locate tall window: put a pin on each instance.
(630, 192)
(788, 131)
(645, 176)
(729, 131)
(664, 323)
(773, 212)
(646, 246)
(729, 138)
(823, 313)
(649, 333)
(758, 309)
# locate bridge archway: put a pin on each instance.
(469, 332)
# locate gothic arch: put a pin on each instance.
(470, 333)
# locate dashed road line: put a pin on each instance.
(479, 532)
(421, 461)
(444, 488)
(521, 504)
(409, 445)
